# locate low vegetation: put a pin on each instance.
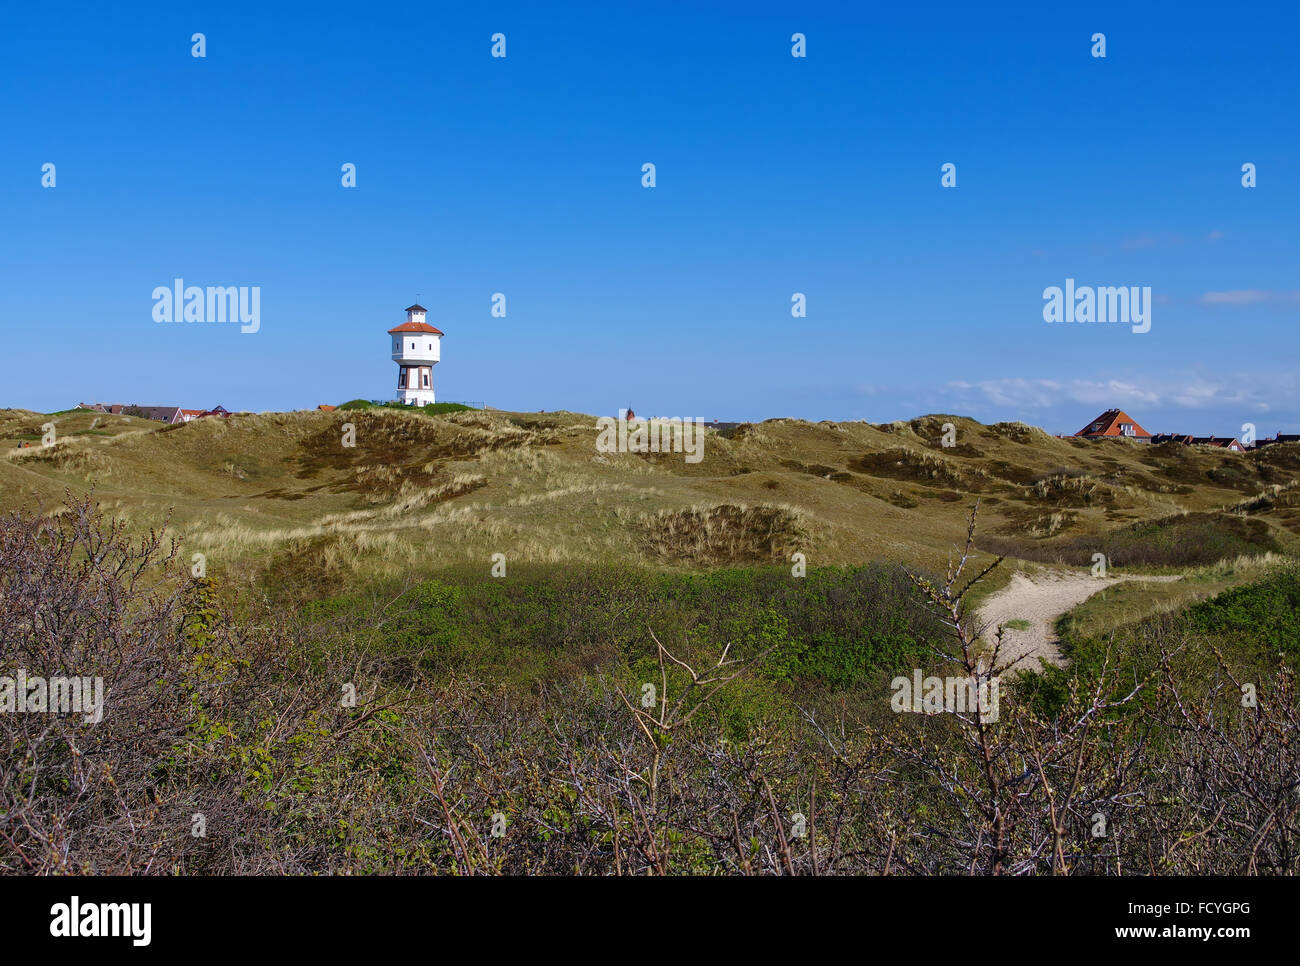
(380, 491)
(630, 722)
(431, 409)
(1184, 540)
(382, 640)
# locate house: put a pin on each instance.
(326, 409)
(1278, 438)
(1223, 442)
(1114, 424)
(189, 414)
(171, 415)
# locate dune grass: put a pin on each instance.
(379, 490)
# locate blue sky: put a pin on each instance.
(775, 175)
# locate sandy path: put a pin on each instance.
(1040, 600)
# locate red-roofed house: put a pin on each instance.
(1222, 442)
(1114, 424)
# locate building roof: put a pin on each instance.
(1223, 442)
(415, 327)
(417, 307)
(1108, 424)
(168, 414)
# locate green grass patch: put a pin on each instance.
(1185, 540)
(433, 409)
(837, 626)
(1252, 625)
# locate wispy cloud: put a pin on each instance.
(867, 389)
(1151, 240)
(1165, 239)
(1254, 393)
(1250, 296)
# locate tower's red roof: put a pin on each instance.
(415, 327)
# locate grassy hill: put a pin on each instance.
(348, 690)
(422, 491)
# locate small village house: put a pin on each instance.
(171, 415)
(1117, 424)
(1222, 442)
(1114, 424)
(1278, 438)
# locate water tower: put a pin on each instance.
(415, 350)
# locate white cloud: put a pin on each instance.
(1258, 393)
(1250, 296)
(1044, 393)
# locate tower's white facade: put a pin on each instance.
(416, 352)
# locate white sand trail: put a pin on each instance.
(1040, 600)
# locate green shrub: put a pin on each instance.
(432, 409)
(1187, 540)
(838, 627)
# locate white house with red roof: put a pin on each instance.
(416, 351)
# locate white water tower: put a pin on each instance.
(415, 350)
